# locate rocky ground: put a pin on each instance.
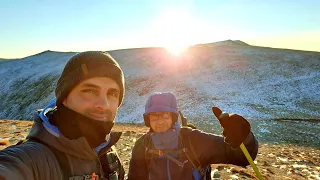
(275, 161)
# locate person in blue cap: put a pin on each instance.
(169, 151)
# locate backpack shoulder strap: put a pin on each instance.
(111, 164)
(147, 147)
(191, 155)
(121, 168)
(60, 156)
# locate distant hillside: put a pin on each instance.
(274, 88)
(258, 82)
(3, 59)
(231, 42)
(232, 74)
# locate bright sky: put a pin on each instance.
(30, 26)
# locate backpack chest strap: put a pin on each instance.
(167, 153)
(85, 177)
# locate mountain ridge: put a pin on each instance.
(261, 84)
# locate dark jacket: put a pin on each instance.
(35, 161)
(209, 149)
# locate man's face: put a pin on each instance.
(96, 98)
(160, 121)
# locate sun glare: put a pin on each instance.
(175, 30)
(176, 50)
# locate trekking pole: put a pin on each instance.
(254, 167)
(183, 119)
(246, 153)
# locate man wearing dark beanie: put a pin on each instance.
(71, 137)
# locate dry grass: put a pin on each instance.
(275, 161)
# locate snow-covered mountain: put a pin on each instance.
(256, 82)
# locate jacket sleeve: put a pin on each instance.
(211, 149)
(138, 169)
(13, 166)
(28, 161)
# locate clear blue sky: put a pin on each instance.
(28, 26)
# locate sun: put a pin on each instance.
(175, 30)
(176, 50)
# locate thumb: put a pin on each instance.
(216, 111)
(222, 116)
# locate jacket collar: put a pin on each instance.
(76, 147)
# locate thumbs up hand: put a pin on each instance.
(235, 128)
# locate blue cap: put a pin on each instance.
(161, 102)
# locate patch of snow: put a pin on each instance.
(299, 166)
(263, 130)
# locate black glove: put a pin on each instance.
(235, 128)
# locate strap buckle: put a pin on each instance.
(160, 152)
(93, 176)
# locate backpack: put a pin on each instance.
(185, 148)
(110, 163)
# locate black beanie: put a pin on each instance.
(87, 65)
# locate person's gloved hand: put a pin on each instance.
(235, 128)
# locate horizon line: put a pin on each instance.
(145, 47)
